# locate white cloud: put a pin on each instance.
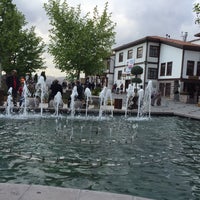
(135, 19)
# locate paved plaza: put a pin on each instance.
(169, 107)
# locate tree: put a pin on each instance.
(196, 9)
(18, 47)
(136, 70)
(11, 22)
(79, 43)
(28, 57)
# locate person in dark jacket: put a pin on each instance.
(80, 91)
(14, 82)
(55, 87)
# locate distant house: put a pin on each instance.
(172, 65)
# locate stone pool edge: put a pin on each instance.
(133, 113)
(39, 192)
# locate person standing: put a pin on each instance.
(80, 91)
(44, 75)
(141, 96)
(13, 81)
(54, 88)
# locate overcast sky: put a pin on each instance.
(134, 19)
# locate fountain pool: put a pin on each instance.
(156, 158)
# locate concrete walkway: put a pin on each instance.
(178, 109)
(37, 192)
(169, 107)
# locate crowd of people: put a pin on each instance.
(13, 82)
(118, 89)
(17, 85)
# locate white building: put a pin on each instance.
(172, 65)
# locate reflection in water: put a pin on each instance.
(157, 158)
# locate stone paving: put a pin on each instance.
(36, 192)
(179, 109)
(170, 107)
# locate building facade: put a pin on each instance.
(172, 65)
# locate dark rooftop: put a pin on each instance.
(172, 42)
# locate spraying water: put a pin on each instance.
(147, 97)
(108, 97)
(105, 96)
(41, 90)
(140, 102)
(9, 106)
(88, 95)
(130, 93)
(145, 108)
(72, 104)
(57, 102)
(25, 94)
(102, 96)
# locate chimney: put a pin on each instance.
(184, 36)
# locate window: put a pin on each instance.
(153, 51)
(121, 57)
(190, 68)
(119, 75)
(152, 73)
(169, 69)
(139, 52)
(198, 69)
(130, 54)
(162, 69)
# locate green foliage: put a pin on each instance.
(137, 80)
(96, 91)
(196, 9)
(11, 22)
(19, 49)
(71, 77)
(136, 70)
(79, 43)
(29, 56)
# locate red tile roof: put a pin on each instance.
(171, 42)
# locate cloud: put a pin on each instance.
(155, 17)
(135, 19)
